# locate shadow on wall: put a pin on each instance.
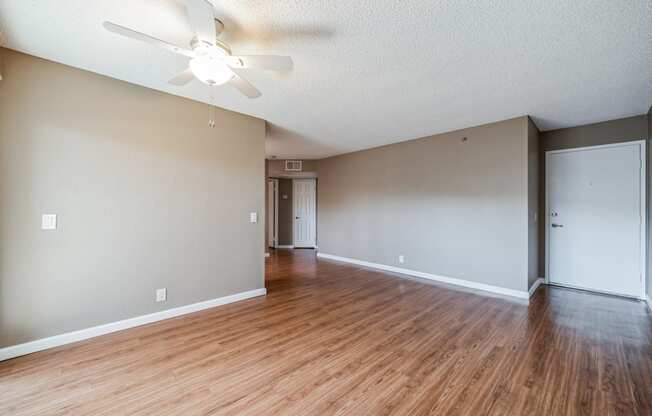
(147, 110)
(279, 138)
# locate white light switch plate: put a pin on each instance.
(49, 222)
(253, 217)
(161, 294)
(401, 259)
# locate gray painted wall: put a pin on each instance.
(452, 207)
(613, 131)
(147, 196)
(533, 202)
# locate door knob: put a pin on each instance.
(296, 218)
(556, 225)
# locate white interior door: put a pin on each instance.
(305, 212)
(272, 213)
(596, 221)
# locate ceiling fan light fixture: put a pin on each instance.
(210, 70)
(211, 60)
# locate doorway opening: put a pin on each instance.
(304, 210)
(292, 213)
(596, 218)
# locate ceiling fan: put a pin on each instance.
(211, 61)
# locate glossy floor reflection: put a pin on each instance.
(331, 338)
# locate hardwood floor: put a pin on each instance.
(331, 338)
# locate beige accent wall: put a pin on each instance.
(613, 131)
(147, 196)
(452, 207)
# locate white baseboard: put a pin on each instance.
(286, 246)
(429, 276)
(536, 285)
(266, 254)
(70, 337)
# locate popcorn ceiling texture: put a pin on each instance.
(368, 73)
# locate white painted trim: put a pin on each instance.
(535, 286)
(602, 292)
(295, 175)
(276, 191)
(643, 194)
(285, 246)
(597, 146)
(546, 233)
(70, 337)
(649, 302)
(266, 254)
(644, 219)
(273, 222)
(429, 276)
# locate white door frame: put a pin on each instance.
(294, 214)
(643, 230)
(272, 216)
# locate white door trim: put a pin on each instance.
(643, 182)
(273, 217)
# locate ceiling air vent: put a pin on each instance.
(293, 166)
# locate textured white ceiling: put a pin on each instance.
(372, 72)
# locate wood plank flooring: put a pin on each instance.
(334, 339)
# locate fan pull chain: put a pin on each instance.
(211, 111)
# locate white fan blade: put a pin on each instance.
(182, 78)
(244, 86)
(269, 62)
(132, 34)
(202, 20)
